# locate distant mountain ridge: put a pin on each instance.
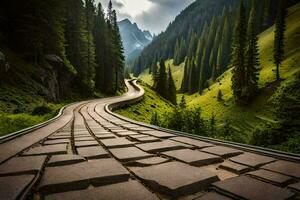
(134, 39)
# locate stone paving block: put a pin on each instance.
(252, 160)
(224, 152)
(213, 196)
(252, 189)
(141, 129)
(295, 186)
(79, 144)
(57, 137)
(222, 174)
(105, 136)
(81, 136)
(79, 176)
(127, 133)
(194, 142)
(67, 159)
(47, 150)
(165, 145)
(13, 187)
(158, 134)
(188, 197)
(131, 190)
(147, 139)
(58, 141)
(129, 154)
(235, 167)
(88, 138)
(22, 165)
(95, 152)
(63, 134)
(195, 158)
(138, 136)
(85, 132)
(175, 178)
(117, 143)
(148, 162)
(284, 167)
(272, 177)
(101, 132)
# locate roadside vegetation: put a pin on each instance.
(270, 118)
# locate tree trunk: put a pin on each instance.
(277, 72)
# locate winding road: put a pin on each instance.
(91, 153)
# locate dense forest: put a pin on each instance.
(70, 45)
(238, 62)
(202, 36)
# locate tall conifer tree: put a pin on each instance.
(238, 55)
(171, 88)
(280, 27)
(162, 81)
(252, 66)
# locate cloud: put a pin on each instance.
(154, 17)
(157, 18)
(118, 5)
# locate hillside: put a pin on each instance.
(244, 120)
(151, 103)
(52, 53)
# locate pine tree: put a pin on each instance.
(182, 104)
(91, 62)
(162, 81)
(184, 84)
(192, 45)
(176, 56)
(212, 124)
(193, 77)
(219, 61)
(202, 77)
(100, 39)
(238, 56)
(77, 44)
(280, 27)
(118, 53)
(252, 66)
(266, 13)
(182, 51)
(220, 95)
(171, 88)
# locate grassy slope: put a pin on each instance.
(143, 111)
(244, 119)
(177, 72)
(20, 96)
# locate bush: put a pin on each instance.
(220, 95)
(12, 123)
(42, 110)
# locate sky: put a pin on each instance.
(152, 15)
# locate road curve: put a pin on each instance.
(91, 153)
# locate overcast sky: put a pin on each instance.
(152, 15)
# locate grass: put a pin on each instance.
(177, 73)
(245, 119)
(143, 110)
(14, 122)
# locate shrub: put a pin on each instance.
(42, 110)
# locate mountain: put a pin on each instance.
(272, 118)
(134, 39)
(209, 24)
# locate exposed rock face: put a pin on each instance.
(56, 81)
(134, 39)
